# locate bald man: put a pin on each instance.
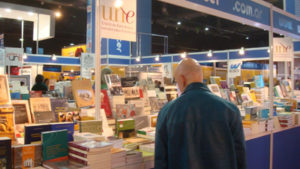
(198, 130)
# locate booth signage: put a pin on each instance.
(14, 56)
(234, 68)
(2, 57)
(119, 47)
(167, 70)
(285, 23)
(87, 60)
(242, 8)
(118, 23)
(1, 40)
(283, 49)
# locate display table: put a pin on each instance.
(286, 152)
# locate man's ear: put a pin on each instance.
(183, 80)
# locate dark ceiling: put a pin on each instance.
(190, 36)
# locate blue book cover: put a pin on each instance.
(61, 126)
(33, 132)
(259, 81)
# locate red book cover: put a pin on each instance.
(72, 158)
(78, 153)
(141, 93)
(76, 145)
(105, 104)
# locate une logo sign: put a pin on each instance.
(117, 15)
(282, 49)
(235, 66)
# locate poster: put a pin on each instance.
(87, 60)
(234, 68)
(2, 57)
(14, 56)
(4, 91)
(167, 70)
(283, 49)
(118, 23)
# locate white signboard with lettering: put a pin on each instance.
(283, 49)
(14, 56)
(234, 68)
(118, 23)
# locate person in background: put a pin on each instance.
(39, 84)
(46, 82)
(198, 130)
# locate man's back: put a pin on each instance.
(199, 131)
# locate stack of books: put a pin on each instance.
(148, 147)
(118, 158)
(148, 160)
(94, 154)
(148, 133)
(134, 160)
(285, 119)
(64, 164)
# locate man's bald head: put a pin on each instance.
(188, 71)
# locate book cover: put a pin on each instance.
(64, 164)
(91, 146)
(114, 84)
(4, 91)
(5, 153)
(92, 126)
(129, 81)
(124, 111)
(33, 132)
(214, 88)
(131, 92)
(59, 105)
(69, 126)
(70, 117)
(44, 117)
(7, 122)
(125, 124)
(27, 156)
(105, 103)
(55, 144)
(259, 81)
(83, 93)
(40, 104)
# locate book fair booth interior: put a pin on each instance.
(70, 125)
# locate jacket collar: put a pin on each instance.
(194, 86)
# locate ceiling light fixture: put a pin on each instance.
(210, 53)
(57, 14)
(118, 3)
(247, 38)
(24, 56)
(30, 13)
(71, 44)
(8, 10)
(157, 58)
(242, 51)
(179, 23)
(183, 55)
(138, 59)
(269, 50)
(20, 18)
(206, 29)
(72, 70)
(53, 57)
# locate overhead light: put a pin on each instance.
(242, 51)
(57, 14)
(247, 38)
(71, 44)
(138, 59)
(118, 3)
(53, 57)
(210, 53)
(269, 51)
(157, 58)
(30, 13)
(8, 10)
(24, 56)
(20, 18)
(21, 39)
(183, 55)
(206, 29)
(72, 70)
(92, 71)
(178, 23)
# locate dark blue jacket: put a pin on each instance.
(199, 130)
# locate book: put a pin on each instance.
(88, 136)
(105, 103)
(40, 104)
(73, 117)
(129, 81)
(124, 111)
(125, 124)
(33, 132)
(7, 122)
(5, 153)
(259, 81)
(4, 91)
(214, 88)
(69, 126)
(91, 126)
(131, 92)
(27, 156)
(64, 164)
(55, 144)
(91, 146)
(59, 105)
(141, 122)
(44, 117)
(83, 93)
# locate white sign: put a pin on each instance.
(234, 68)
(167, 70)
(87, 60)
(2, 57)
(118, 23)
(86, 73)
(283, 49)
(14, 56)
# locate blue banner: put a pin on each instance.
(243, 8)
(286, 23)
